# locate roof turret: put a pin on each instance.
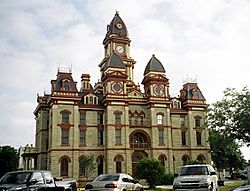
(154, 65)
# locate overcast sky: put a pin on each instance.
(205, 40)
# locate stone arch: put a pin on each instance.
(139, 139)
(185, 159)
(201, 158)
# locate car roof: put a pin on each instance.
(192, 165)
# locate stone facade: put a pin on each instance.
(115, 121)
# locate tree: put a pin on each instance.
(8, 159)
(151, 170)
(231, 115)
(225, 151)
(87, 165)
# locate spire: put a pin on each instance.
(117, 27)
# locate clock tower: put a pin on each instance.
(117, 42)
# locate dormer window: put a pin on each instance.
(66, 85)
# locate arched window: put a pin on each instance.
(118, 163)
(201, 158)
(185, 159)
(162, 158)
(81, 166)
(159, 119)
(198, 138)
(139, 141)
(64, 167)
(100, 165)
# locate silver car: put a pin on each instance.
(114, 182)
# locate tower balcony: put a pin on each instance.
(139, 122)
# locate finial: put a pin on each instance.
(117, 12)
(153, 55)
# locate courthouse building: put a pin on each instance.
(117, 121)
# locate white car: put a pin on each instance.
(114, 182)
(196, 177)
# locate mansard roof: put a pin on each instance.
(154, 65)
(117, 26)
(59, 83)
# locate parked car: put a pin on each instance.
(29, 180)
(243, 188)
(238, 175)
(68, 184)
(114, 182)
(196, 177)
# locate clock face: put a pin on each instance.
(119, 49)
(119, 25)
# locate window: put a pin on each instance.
(159, 119)
(100, 165)
(198, 138)
(38, 176)
(100, 119)
(65, 117)
(118, 134)
(66, 85)
(91, 100)
(82, 167)
(142, 117)
(64, 167)
(183, 138)
(162, 159)
(82, 118)
(117, 118)
(185, 159)
(100, 137)
(82, 137)
(161, 136)
(182, 121)
(118, 165)
(197, 122)
(65, 136)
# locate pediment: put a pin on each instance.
(135, 94)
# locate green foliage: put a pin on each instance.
(8, 159)
(225, 151)
(151, 170)
(230, 116)
(167, 179)
(88, 165)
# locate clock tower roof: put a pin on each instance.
(114, 62)
(154, 65)
(117, 27)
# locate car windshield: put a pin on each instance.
(15, 178)
(108, 177)
(196, 170)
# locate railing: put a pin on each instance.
(139, 145)
(140, 122)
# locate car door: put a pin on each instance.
(128, 184)
(37, 180)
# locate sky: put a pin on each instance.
(204, 40)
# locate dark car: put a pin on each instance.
(238, 175)
(28, 180)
